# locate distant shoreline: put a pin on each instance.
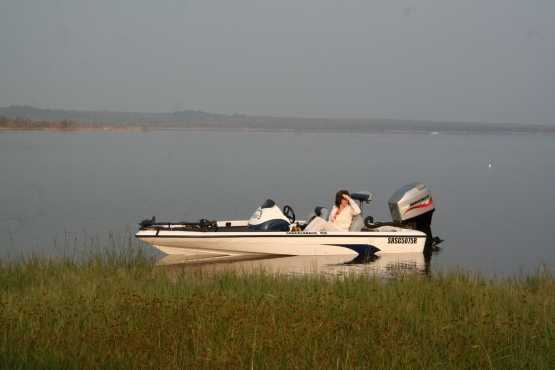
(84, 128)
(33, 119)
(78, 129)
(146, 129)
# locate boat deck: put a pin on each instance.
(231, 228)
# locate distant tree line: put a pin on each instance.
(201, 120)
(18, 123)
(27, 124)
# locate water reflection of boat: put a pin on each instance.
(336, 265)
(389, 264)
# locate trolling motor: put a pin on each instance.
(147, 222)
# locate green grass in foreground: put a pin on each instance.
(114, 312)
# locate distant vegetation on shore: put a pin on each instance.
(62, 125)
(124, 313)
(28, 118)
(58, 125)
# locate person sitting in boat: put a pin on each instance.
(341, 215)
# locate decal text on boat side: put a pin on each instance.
(401, 240)
(307, 233)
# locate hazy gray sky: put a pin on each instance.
(477, 60)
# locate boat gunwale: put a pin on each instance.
(270, 234)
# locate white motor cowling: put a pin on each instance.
(410, 201)
(412, 205)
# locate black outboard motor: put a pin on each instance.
(412, 206)
(268, 217)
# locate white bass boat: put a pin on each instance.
(275, 231)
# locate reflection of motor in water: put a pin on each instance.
(403, 262)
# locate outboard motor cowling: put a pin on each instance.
(412, 205)
(268, 217)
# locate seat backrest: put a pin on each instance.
(319, 211)
(322, 212)
(357, 224)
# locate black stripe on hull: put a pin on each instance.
(361, 249)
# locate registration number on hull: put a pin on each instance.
(401, 240)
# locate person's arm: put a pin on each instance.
(332, 214)
(354, 206)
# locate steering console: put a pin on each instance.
(289, 213)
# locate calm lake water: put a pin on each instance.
(62, 191)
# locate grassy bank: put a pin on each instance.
(121, 312)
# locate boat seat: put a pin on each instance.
(357, 224)
(319, 211)
(322, 212)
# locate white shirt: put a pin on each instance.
(344, 219)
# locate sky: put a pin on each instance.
(441, 60)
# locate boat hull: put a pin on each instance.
(287, 243)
